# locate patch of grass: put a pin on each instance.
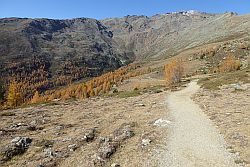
(239, 161)
(7, 114)
(213, 83)
(137, 92)
(48, 103)
(154, 89)
(44, 143)
(126, 94)
(238, 90)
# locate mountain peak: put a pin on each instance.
(188, 12)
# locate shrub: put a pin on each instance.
(229, 64)
(174, 71)
(35, 98)
(14, 97)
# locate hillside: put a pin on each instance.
(89, 93)
(162, 36)
(66, 49)
(43, 54)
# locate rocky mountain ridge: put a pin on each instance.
(161, 36)
(74, 49)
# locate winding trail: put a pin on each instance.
(194, 141)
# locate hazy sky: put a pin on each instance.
(113, 8)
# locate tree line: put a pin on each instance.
(20, 92)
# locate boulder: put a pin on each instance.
(123, 133)
(89, 135)
(18, 146)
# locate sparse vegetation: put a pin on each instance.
(15, 96)
(20, 93)
(174, 71)
(218, 80)
(126, 94)
(7, 114)
(229, 64)
(1, 91)
(239, 161)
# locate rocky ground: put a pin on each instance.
(124, 128)
(229, 109)
(99, 131)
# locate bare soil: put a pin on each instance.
(229, 109)
(61, 124)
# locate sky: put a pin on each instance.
(99, 9)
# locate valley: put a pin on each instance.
(166, 90)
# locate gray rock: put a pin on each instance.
(104, 139)
(31, 128)
(40, 165)
(115, 165)
(140, 105)
(107, 149)
(89, 135)
(48, 152)
(162, 122)
(145, 142)
(18, 146)
(123, 133)
(72, 147)
(22, 142)
(237, 87)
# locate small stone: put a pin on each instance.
(66, 139)
(115, 165)
(141, 105)
(146, 142)
(107, 149)
(15, 140)
(72, 147)
(162, 122)
(123, 133)
(34, 123)
(104, 139)
(40, 165)
(48, 152)
(19, 124)
(89, 135)
(31, 127)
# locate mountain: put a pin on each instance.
(76, 48)
(164, 35)
(57, 52)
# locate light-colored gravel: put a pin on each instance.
(229, 110)
(193, 141)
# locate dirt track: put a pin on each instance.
(194, 141)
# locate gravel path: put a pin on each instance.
(193, 141)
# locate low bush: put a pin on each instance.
(174, 71)
(229, 64)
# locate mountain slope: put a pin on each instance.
(76, 48)
(165, 35)
(45, 53)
